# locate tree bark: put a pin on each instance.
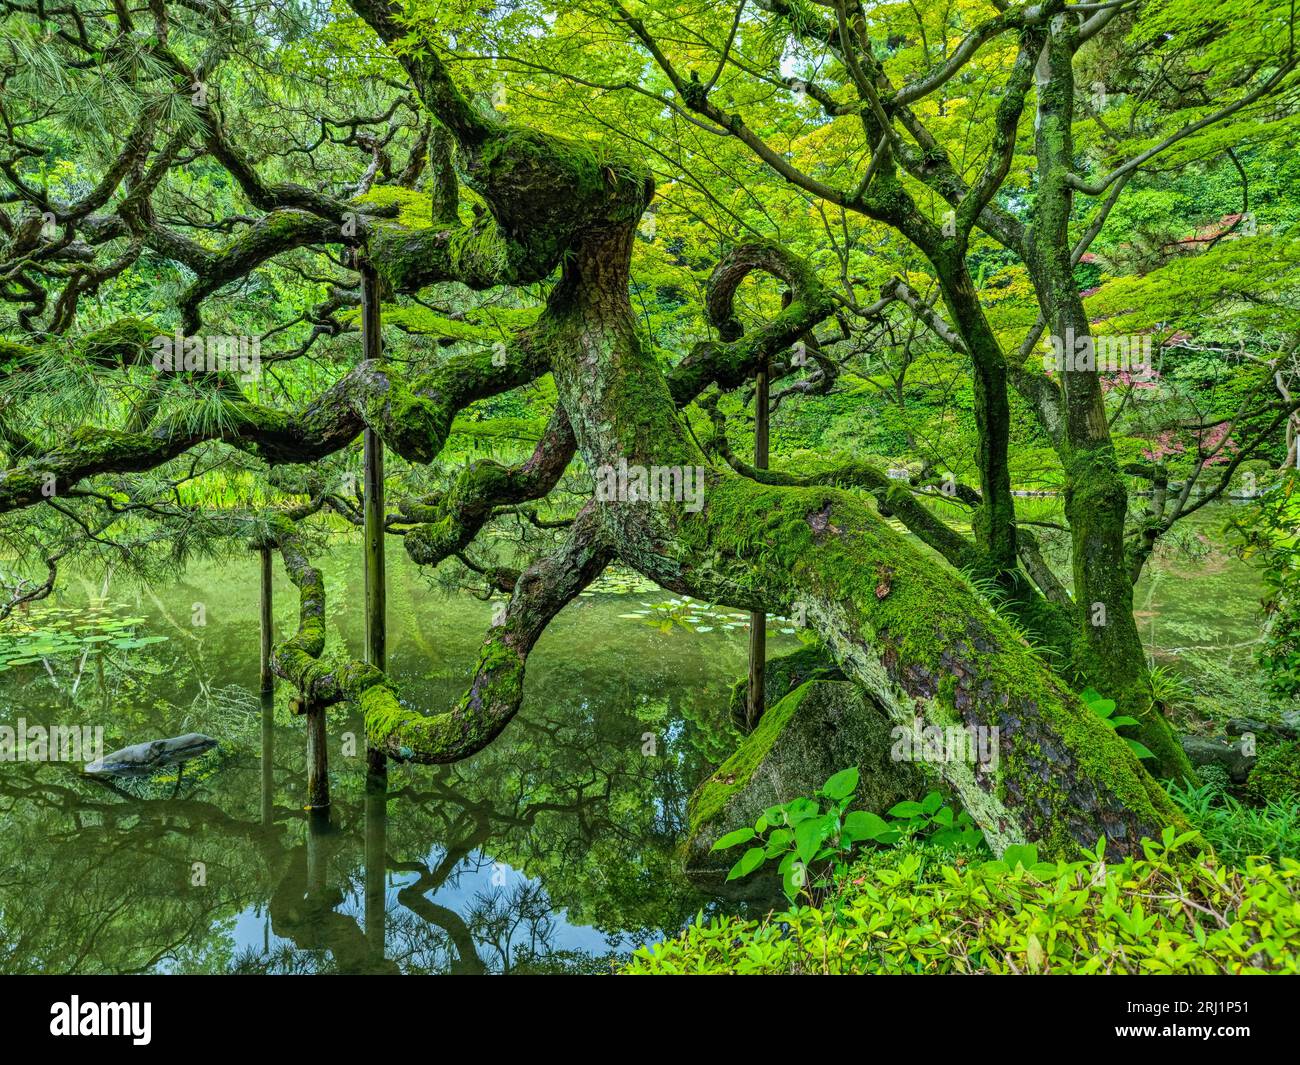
(1108, 650)
(756, 698)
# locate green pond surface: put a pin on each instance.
(553, 850)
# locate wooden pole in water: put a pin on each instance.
(376, 847)
(376, 591)
(317, 857)
(268, 757)
(318, 770)
(376, 637)
(267, 680)
(754, 702)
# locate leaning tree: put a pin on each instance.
(956, 130)
(558, 217)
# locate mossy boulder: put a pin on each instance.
(816, 730)
(781, 675)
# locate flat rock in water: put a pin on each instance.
(142, 759)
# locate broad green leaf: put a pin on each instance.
(800, 810)
(808, 836)
(862, 825)
(1025, 854)
(793, 879)
(732, 839)
(842, 784)
(780, 838)
(749, 861)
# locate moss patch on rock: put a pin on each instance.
(821, 727)
(782, 675)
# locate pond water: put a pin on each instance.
(552, 850)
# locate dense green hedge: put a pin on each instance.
(904, 912)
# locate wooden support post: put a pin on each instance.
(755, 695)
(267, 678)
(318, 828)
(268, 757)
(376, 590)
(318, 770)
(376, 636)
(267, 685)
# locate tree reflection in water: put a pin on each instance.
(553, 852)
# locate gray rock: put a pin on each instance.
(781, 675)
(143, 759)
(1206, 750)
(1239, 726)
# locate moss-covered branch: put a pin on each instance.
(412, 417)
(734, 359)
(496, 692)
(928, 650)
(450, 521)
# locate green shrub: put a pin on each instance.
(1237, 831)
(805, 834)
(813, 837)
(1276, 774)
(1168, 912)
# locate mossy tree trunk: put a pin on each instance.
(1108, 652)
(373, 517)
(756, 697)
(913, 635)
